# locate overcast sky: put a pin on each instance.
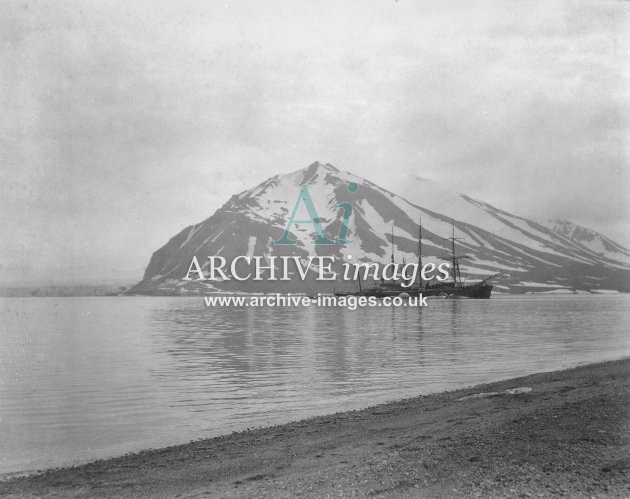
(123, 122)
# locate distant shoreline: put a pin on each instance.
(558, 432)
(109, 291)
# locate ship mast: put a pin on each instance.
(455, 263)
(392, 243)
(420, 253)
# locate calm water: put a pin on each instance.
(82, 378)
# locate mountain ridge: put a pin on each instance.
(530, 255)
(585, 235)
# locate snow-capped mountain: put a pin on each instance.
(591, 239)
(437, 197)
(528, 255)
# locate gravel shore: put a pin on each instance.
(563, 433)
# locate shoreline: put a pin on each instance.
(560, 432)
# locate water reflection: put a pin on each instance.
(76, 386)
(311, 359)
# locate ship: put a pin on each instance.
(454, 288)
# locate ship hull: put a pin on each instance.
(477, 291)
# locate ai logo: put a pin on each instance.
(314, 220)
